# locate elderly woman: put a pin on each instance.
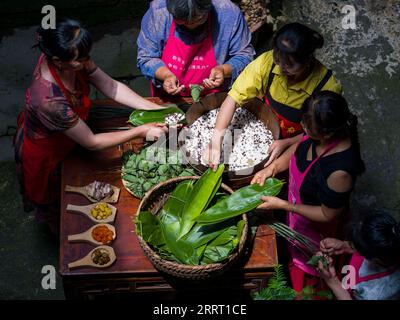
(188, 42)
(57, 105)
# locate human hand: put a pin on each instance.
(171, 85)
(263, 174)
(271, 203)
(216, 78)
(212, 155)
(328, 273)
(331, 246)
(152, 131)
(276, 149)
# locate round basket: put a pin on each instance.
(150, 201)
(238, 178)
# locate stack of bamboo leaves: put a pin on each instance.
(199, 225)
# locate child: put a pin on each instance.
(375, 249)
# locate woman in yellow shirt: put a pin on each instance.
(284, 78)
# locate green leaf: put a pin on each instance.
(222, 246)
(277, 288)
(202, 234)
(170, 224)
(183, 251)
(178, 198)
(202, 193)
(314, 261)
(241, 201)
(148, 227)
(140, 117)
(195, 91)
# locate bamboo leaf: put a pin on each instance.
(222, 246)
(241, 201)
(203, 192)
(170, 223)
(183, 251)
(140, 117)
(202, 234)
(148, 227)
(195, 91)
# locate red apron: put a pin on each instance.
(357, 261)
(289, 117)
(311, 229)
(41, 157)
(191, 64)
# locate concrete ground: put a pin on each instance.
(365, 60)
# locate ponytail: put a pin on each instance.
(318, 40)
(352, 124)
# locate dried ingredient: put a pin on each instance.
(101, 211)
(101, 257)
(99, 190)
(102, 234)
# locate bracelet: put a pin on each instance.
(293, 207)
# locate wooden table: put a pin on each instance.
(132, 272)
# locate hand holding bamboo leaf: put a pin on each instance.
(241, 201)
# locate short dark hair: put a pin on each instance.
(377, 236)
(187, 10)
(295, 41)
(69, 40)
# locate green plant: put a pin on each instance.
(277, 288)
(139, 117)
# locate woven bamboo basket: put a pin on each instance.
(152, 201)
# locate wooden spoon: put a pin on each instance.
(88, 262)
(87, 235)
(85, 210)
(82, 190)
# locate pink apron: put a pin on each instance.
(313, 230)
(357, 261)
(191, 64)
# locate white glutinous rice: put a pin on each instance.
(246, 141)
(174, 118)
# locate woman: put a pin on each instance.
(375, 260)
(185, 42)
(284, 77)
(322, 172)
(57, 105)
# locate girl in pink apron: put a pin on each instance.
(322, 171)
(374, 269)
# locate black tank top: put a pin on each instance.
(315, 190)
